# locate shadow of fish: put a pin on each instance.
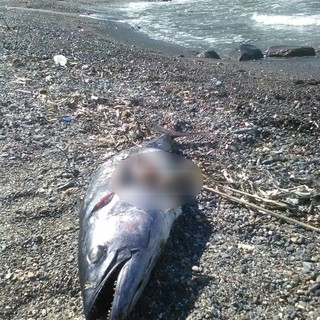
(119, 243)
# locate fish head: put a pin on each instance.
(117, 251)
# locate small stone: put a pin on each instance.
(307, 266)
(196, 269)
(66, 175)
(290, 249)
(105, 142)
(38, 137)
(271, 226)
(315, 287)
(43, 91)
(70, 258)
(125, 114)
(246, 247)
(8, 276)
(38, 239)
(70, 191)
(43, 212)
(295, 278)
(304, 298)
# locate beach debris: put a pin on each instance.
(60, 59)
(67, 119)
(4, 20)
(247, 199)
(216, 82)
(246, 247)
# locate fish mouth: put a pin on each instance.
(100, 301)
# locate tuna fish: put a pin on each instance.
(119, 242)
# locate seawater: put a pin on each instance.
(220, 24)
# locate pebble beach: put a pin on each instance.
(224, 260)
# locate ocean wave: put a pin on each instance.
(138, 6)
(294, 20)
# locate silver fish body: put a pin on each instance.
(118, 243)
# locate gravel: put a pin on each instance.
(223, 260)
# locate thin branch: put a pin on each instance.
(6, 25)
(281, 205)
(267, 201)
(254, 206)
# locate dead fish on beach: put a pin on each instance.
(124, 226)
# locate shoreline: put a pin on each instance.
(223, 260)
(125, 34)
(119, 32)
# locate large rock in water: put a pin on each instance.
(209, 54)
(247, 52)
(290, 51)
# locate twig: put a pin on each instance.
(23, 91)
(6, 25)
(70, 166)
(254, 206)
(278, 204)
(268, 201)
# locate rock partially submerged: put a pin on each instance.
(246, 52)
(290, 51)
(211, 54)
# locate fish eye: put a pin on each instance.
(96, 253)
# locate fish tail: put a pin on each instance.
(166, 141)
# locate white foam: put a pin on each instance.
(296, 20)
(137, 6)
